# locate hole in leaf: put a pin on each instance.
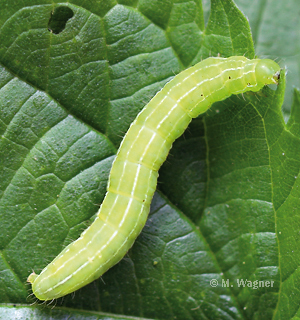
(59, 18)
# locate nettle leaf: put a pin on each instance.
(221, 241)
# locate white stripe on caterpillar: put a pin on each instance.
(133, 177)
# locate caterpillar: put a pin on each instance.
(133, 177)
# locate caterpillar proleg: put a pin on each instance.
(133, 177)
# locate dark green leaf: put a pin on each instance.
(73, 76)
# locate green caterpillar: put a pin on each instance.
(133, 176)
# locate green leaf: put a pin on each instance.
(33, 313)
(275, 35)
(73, 76)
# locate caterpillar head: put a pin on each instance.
(267, 72)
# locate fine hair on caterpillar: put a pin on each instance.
(133, 176)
